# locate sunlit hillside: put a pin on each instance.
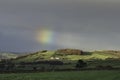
(50, 55)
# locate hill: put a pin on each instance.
(48, 60)
(51, 55)
(7, 55)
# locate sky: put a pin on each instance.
(33, 25)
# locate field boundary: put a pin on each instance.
(56, 70)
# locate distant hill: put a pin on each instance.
(8, 55)
(70, 55)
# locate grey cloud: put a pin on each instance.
(95, 21)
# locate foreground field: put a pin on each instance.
(73, 75)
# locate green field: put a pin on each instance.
(73, 75)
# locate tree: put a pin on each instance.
(10, 66)
(2, 66)
(34, 68)
(6, 64)
(80, 64)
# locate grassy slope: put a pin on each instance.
(83, 75)
(94, 55)
(47, 55)
(36, 56)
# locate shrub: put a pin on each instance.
(80, 64)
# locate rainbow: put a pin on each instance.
(45, 36)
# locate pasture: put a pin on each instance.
(71, 75)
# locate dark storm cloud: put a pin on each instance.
(93, 23)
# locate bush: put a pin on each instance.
(80, 64)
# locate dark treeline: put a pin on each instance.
(55, 70)
(52, 62)
(7, 66)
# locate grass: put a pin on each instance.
(113, 63)
(94, 55)
(73, 75)
(47, 55)
(97, 57)
(35, 57)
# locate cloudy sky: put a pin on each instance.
(31, 25)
